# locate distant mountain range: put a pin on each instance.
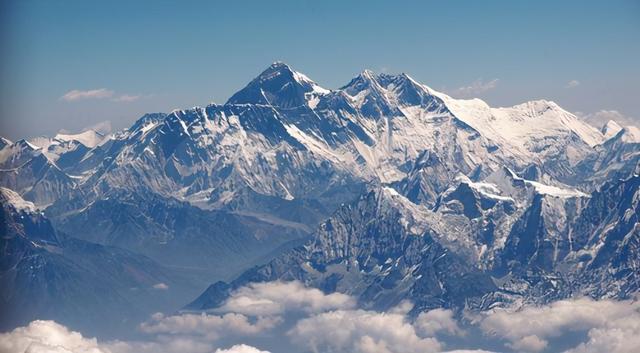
(385, 189)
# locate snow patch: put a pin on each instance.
(12, 198)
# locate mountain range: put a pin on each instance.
(384, 189)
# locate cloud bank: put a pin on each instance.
(361, 331)
(612, 326)
(47, 337)
(273, 298)
(305, 319)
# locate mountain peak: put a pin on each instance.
(277, 68)
(610, 129)
(89, 138)
(280, 65)
(279, 85)
(366, 73)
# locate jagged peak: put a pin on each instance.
(25, 144)
(277, 68)
(611, 127)
(89, 138)
(280, 64)
(388, 91)
(278, 85)
(537, 105)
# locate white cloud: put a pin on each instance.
(530, 343)
(241, 348)
(437, 321)
(476, 87)
(273, 298)
(606, 321)
(100, 93)
(170, 344)
(572, 84)
(51, 337)
(75, 94)
(47, 337)
(361, 331)
(160, 286)
(620, 336)
(210, 327)
(126, 98)
(331, 323)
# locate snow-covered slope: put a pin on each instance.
(538, 132)
(89, 138)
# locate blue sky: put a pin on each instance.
(150, 56)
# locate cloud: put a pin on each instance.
(75, 95)
(100, 93)
(160, 286)
(601, 117)
(170, 344)
(331, 323)
(241, 348)
(250, 310)
(47, 337)
(572, 84)
(529, 344)
(274, 298)
(126, 98)
(51, 337)
(476, 87)
(607, 322)
(209, 327)
(437, 321)
(361, 331)
(620, 336)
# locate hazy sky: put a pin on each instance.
(70, 64)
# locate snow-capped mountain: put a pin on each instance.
(408, 192)
(285, 136)
(43, 169)
(26, 169)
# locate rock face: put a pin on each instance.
(380, 249)
(475, 249)
(607, 239)
(405, 192)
